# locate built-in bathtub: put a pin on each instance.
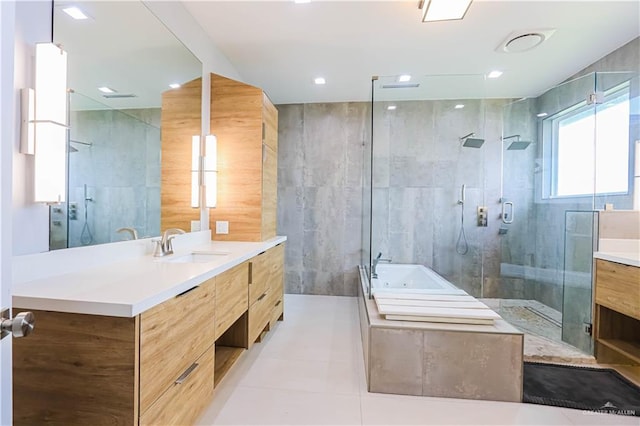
(412, 279)
(436, 359)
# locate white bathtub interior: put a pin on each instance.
(411, 278)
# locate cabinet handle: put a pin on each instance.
(278, 303)
(250, 272)
(186, 291)
(186, 373)
(261, 297)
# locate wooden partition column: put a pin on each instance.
(245, 123)
(180, 120)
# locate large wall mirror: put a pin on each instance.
(121, 59)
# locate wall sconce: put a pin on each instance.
(204, 171)
(43, 123)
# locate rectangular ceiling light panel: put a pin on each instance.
(444, 10)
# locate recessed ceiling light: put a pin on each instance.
(106, 89)
(301, 1)
(404, 78)
(443, 10)
(459, 106)
(542, 114)
(174, 85)
(319, 80)
(391, 107)
(494, 74)
(75, 12)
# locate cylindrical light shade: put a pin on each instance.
(204, 171)
(50, 163)
(211, 186)
(195, 171)
(211, 171)
(50, 123)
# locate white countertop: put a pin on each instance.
(627, 258)
(127, 288)
(625, 251)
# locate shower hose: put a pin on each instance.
(86, 237)
(462, 246)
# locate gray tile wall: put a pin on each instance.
(420, 166)
(122, 172)
(320, 154)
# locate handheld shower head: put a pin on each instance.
(462, 194)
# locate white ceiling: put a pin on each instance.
(281, 46)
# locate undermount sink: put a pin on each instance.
(199, 257)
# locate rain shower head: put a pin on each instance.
(470, 142)
(516, 145)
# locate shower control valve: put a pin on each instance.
(483, 216)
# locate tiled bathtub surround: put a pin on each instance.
(443, 360)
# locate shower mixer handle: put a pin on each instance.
(507, 217)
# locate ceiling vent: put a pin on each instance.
(523, 41)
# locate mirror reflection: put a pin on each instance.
(121, 58)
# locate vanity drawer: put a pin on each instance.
(276, 311)
(276, 275)
(259, 316)
(172, 336)
(188, 395)
(618, 287)
(231, 296)
(258, 276)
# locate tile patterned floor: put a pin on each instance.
(309, 370)
(542, 326)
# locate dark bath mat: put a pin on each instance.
(584, 388)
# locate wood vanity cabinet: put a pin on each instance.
(617, 313)
(173, 336)
(231, 297)
(93, 369)
(265, 291)
(158, 368)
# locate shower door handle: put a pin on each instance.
(507, 217)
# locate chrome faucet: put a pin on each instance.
(132, 231)
(163, 245)
(377, 260)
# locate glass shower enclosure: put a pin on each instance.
(113, 175)
(501, 196)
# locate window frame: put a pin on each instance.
(550, 135)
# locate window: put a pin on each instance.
(587, 139)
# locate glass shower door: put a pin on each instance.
(546, 210)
